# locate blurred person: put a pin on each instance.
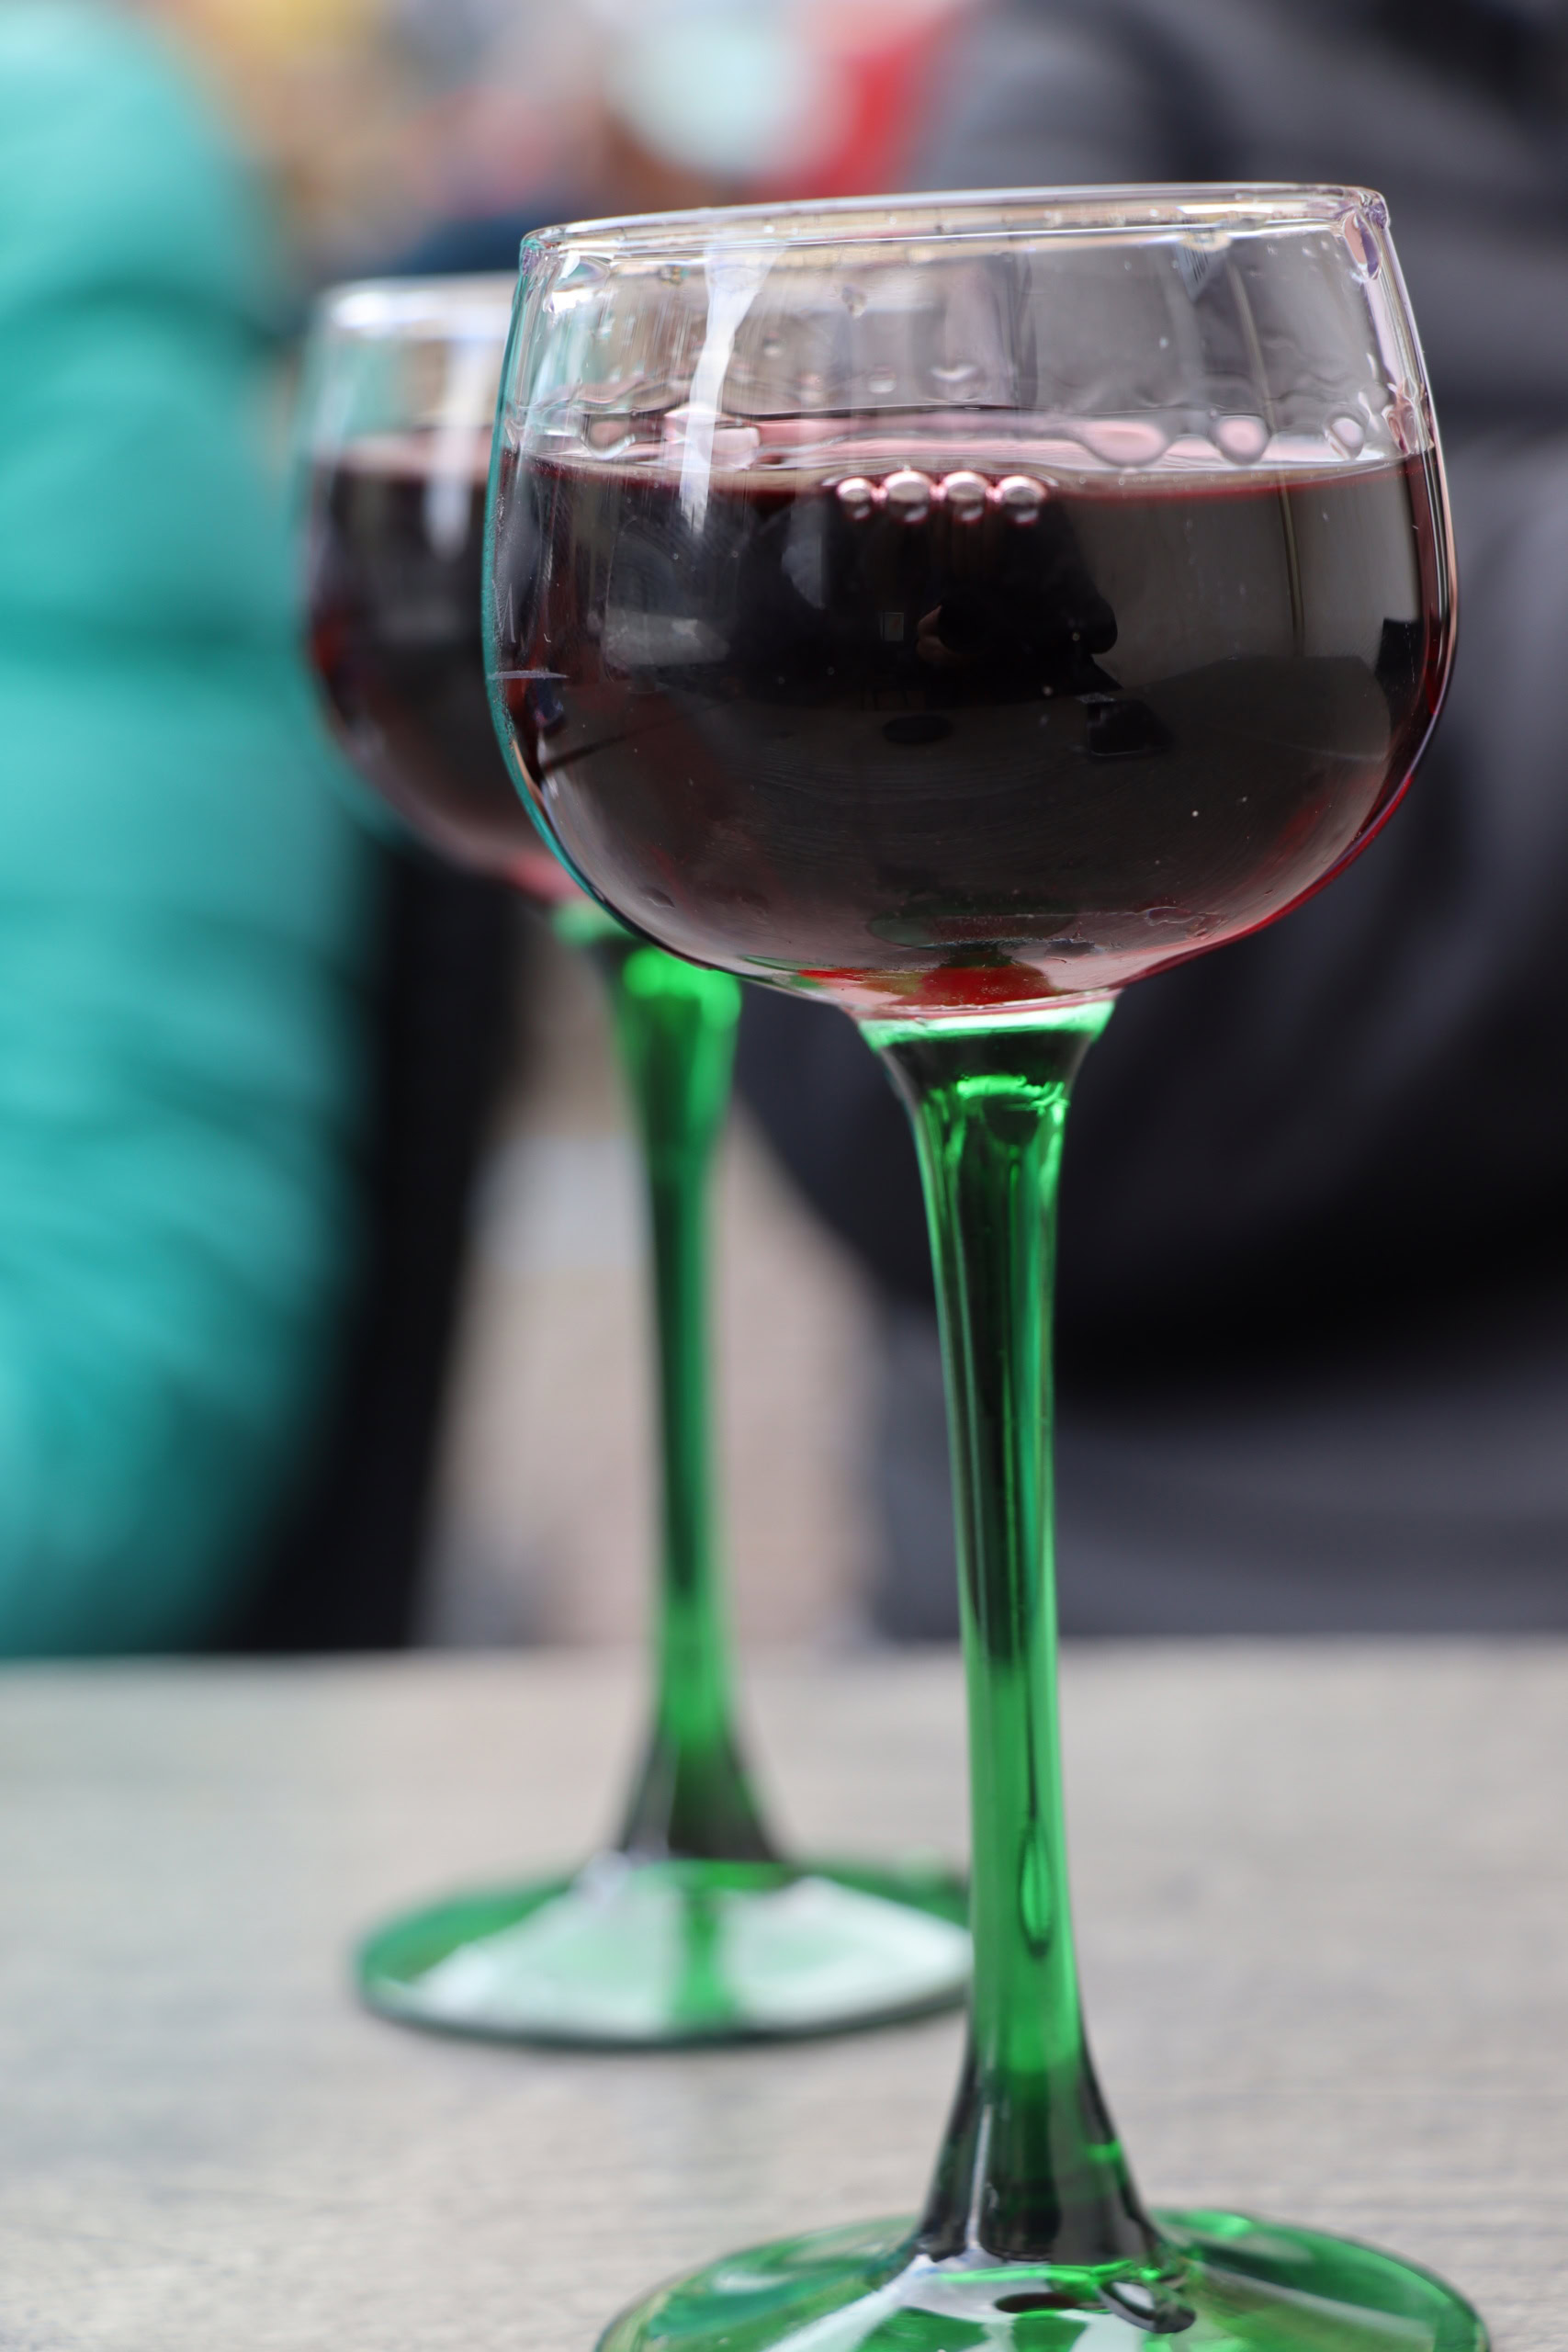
(1314, 1289)
(200, 1390)
(330, 100)
(777, 98)
(684, 103)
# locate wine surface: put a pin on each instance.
(394, 582)
(959, 737)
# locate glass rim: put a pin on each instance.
(1130, 209)
(472, 302)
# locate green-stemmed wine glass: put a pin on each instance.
(960, 607)
(692, 1926)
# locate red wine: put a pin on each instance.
(395, 567)
(965, 738)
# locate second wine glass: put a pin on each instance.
(692, 1926)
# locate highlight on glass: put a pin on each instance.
(692, 1926)
(959, 608)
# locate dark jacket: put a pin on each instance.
(1314, 1306)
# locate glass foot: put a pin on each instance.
(1227, 2284)
(642, 1953)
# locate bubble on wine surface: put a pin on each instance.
(1125, 440)
(1020, 496)
(1242, 440)
(856, 496)
(966, 493)
(908, 492)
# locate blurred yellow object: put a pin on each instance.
(279, 29)
(319, 92)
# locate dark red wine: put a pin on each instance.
(395, 570)
(967, 738)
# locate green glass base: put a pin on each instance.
(1227, 2284)
(639, 1954)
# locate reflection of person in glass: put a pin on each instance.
(1315, 1307)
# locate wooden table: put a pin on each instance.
(1323, 1897)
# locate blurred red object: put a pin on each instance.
(885, 58)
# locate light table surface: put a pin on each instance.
(1322, 1908)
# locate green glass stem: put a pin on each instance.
(675, 1028)
(1031, 2169)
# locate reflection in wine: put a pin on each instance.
(949, 740)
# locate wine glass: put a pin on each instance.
(693, 1927)
(957, 609)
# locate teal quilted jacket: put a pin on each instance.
(184, 903)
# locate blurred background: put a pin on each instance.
(1315, 1303)
(427, 133)
(450, 1438)
(385, 120)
